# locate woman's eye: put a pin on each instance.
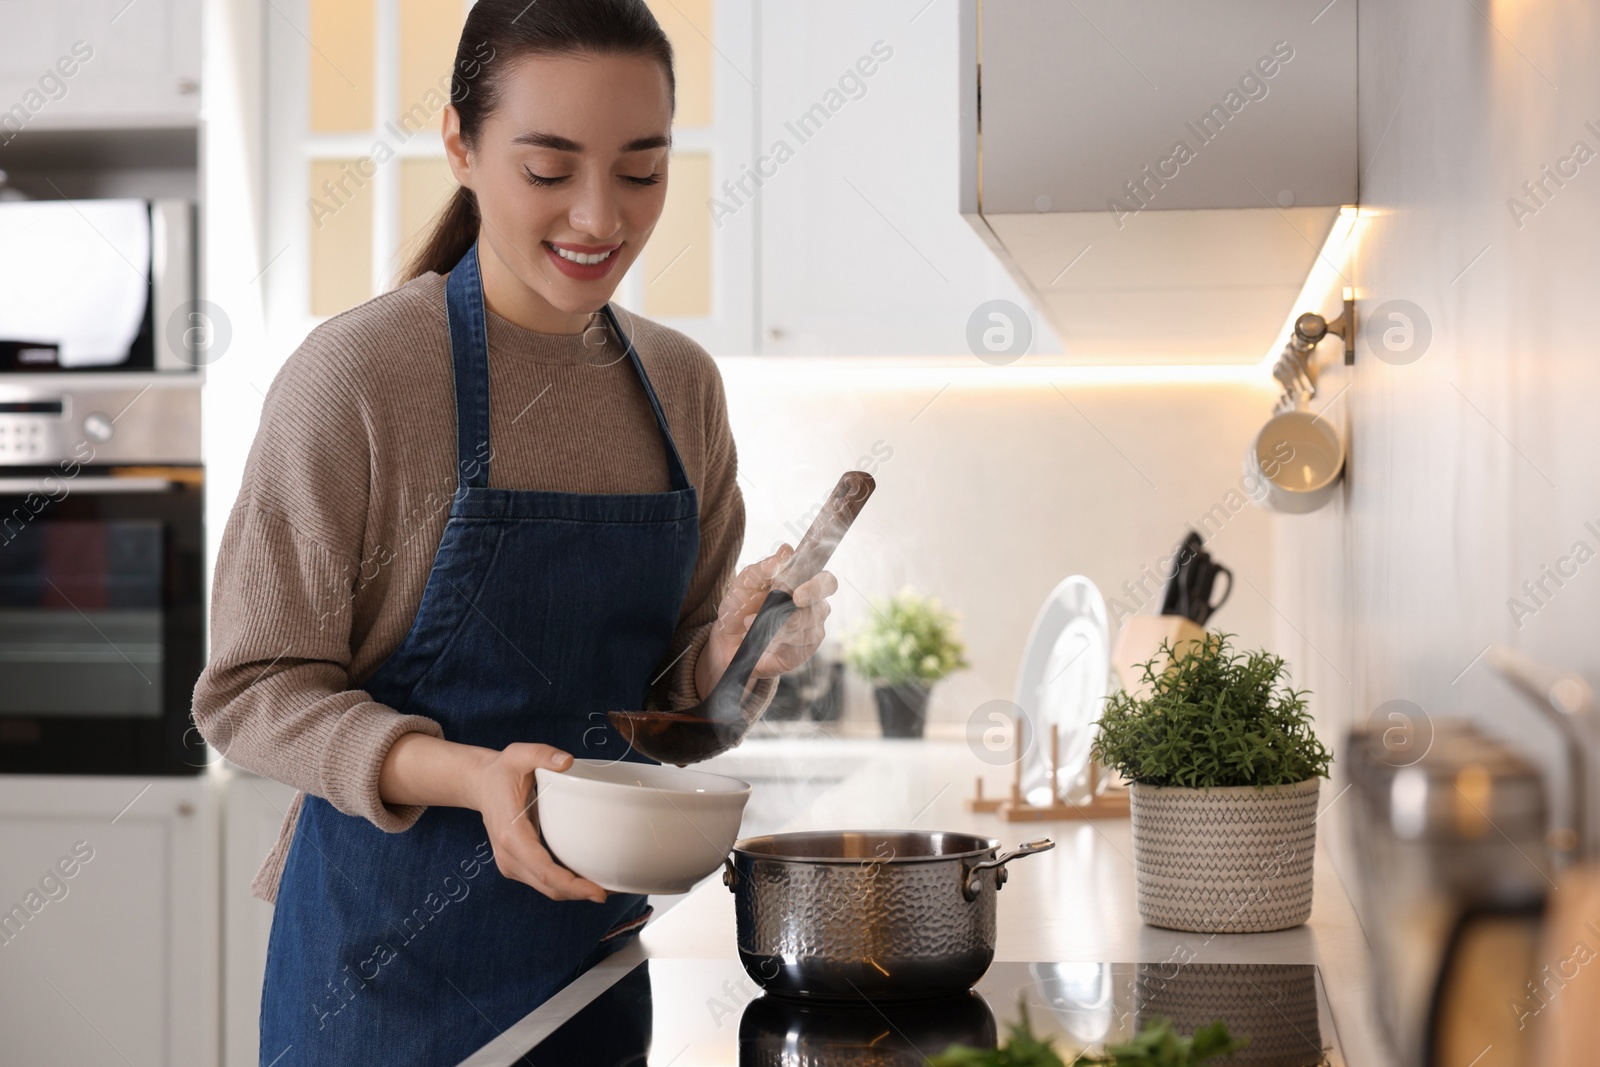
(546, 181)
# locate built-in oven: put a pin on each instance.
(101, 574)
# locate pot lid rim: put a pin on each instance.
(990, 847)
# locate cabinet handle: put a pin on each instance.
(85, 483)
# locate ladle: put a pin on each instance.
(718, 722)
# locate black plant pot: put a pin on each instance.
(829, 703)
(902, 709)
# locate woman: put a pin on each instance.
(479, 513)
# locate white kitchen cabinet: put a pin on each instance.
(98, 63)
(108, 941)
(862, 247)
(1194, 157)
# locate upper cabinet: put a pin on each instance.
(74, 64)
(854, 181)
(1159, 176)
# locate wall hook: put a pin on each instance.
(1311, 328)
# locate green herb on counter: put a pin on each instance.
(909, 639)
(1213, 717)
(1155, 1045)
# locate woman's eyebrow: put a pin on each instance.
(558, 143)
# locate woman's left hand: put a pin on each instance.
(795, 643)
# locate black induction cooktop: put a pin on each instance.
(697, 1013)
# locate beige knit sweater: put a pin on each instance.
(346, 492)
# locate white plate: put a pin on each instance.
(1065, 676)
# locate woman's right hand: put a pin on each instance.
(501, 790)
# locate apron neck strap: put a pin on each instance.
(469, 359)
(675, 468)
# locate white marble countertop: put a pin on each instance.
(1074, 903)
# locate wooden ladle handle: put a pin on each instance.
(826, 530)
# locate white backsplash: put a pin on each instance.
(991, 493)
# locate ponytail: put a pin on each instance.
(499, 31)
(454, 230)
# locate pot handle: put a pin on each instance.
(729, 878)
(970, 884)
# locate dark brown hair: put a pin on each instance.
(499, 31)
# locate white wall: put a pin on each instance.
(233, 264)
(1472, 466)
(998, 487)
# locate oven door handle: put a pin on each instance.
(57, 487)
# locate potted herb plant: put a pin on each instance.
(908, 644)
(1224, 771)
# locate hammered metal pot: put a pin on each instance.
(885, 914)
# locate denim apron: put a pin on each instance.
(543, 611)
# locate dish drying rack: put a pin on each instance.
(1110, 804)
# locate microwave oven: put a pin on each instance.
(97, 286)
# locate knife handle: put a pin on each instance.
(1207, 608)
(826, 530)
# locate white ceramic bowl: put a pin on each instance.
(638, 827)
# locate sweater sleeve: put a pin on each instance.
(721, 538)
(276, 696)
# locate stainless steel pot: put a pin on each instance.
(885, 914)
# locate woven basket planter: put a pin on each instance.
(1229, 860)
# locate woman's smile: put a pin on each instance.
(582, 262)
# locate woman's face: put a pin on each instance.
(570, 173)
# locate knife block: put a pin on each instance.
(1140, 640)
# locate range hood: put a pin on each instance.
(1159, 177)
